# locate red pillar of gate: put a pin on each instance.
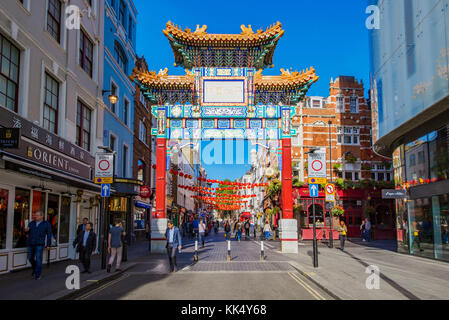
(161, 163)
(287, 188)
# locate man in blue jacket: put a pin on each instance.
(174, 241)
(37, 231)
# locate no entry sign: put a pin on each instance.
(104, 165)
(317, 165)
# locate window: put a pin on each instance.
(348, 135)
(316, 103)
(9, 74)
(126, 112)
(83, 126)
(121, 12)
(130, 28)
(120, 56)
(141, 171)
(51, 102)
(64, 220)
(53, 213)
(114, 92)
(21, 217)
(142, 132)
(354, 103)
(125, 160)
(340, 104)
(112, 141)
(413, 160)
(86, 53)
(351, 175)
(54, 19)
(3, 216)
(421, 157)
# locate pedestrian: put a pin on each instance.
(38, 231)
(362, 231)
(417, 234)
(367, 230)
(235, 228)
(239, 231)
(201, 232)
(174, 241)
(86, 243)
(227, 230)
(216, 226)
(115, 247)
(267, 230)
(82, 226)
(247, 226)
(343, 230)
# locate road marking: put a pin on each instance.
(101, 288)
(312, 291)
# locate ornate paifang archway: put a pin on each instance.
(224, 95)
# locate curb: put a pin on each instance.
(91, 286)
(305, 275)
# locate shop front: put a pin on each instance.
(357, 203)
(48, 174)
(422, 168)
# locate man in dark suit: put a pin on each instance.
(82, 226)
(174, 241)
(87, 243)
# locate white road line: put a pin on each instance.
(313, 292)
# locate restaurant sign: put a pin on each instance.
(45, 148)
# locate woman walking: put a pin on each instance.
(267, 230)
(343, 230)
(115, 245)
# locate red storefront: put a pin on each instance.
(355, 202)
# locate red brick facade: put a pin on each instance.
(142, 131)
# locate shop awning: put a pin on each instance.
(141, 204)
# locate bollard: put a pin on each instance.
(195, 257)
(229, 250)
(262, 252)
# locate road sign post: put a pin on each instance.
(316, 169)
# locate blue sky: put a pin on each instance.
(326, 34)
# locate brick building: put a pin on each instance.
(360, 174)
(142, 159)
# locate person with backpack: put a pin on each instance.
(227, 229)
(267, 230)
(247, 226)
(239, 231)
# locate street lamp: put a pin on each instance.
(331, 233)
(112, 97)
(315, 243)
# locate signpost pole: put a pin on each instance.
(331, 232)
(315, 248)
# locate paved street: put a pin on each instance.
(245, 277)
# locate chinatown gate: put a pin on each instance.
(224, 95)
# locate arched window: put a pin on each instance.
(120, 56)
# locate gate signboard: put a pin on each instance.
(317, 165)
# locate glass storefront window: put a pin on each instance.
(3, 216)
(38, 203)
(53, 214)
(64, 220)
(441, 226)
(21, 217)
(421, 227)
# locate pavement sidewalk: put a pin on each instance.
(20, 285)
(344, 274)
